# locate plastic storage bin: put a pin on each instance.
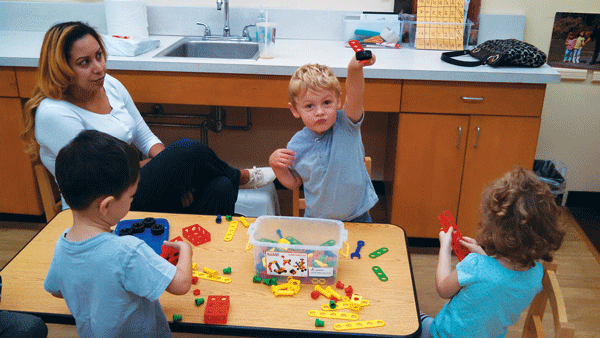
(353, 27)
(439, 35)
(312, 255)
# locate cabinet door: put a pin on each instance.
(430, 152)
(495, 144)
(19, 193)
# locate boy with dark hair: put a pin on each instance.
(111, 284)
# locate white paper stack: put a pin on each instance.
(129, 46)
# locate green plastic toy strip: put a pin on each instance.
(378, 252)
(329, 243)
(380, 274)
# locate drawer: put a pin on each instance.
(508, 99)
(8, 82)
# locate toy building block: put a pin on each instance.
(256, 279)
(199, 301)
(197, 292)
(217, 309)
(359, 325)
(333, 314)
(447, 221)
(228, 218)
(170, 254)
(339, 285)
(196, 234)
(379, 273)
(194, 266)
(322, 291)
(333, 294)
(177, 318)
(244, 221)
(378, 252)
(319, 323)
(210, 274)
(356, 253)
(345, 249)
(332, 304)
(315, 294)
(218, 220)
(194, 280)
(227, 271)
(230, 231)
(349, 291)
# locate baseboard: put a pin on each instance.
(583, 199)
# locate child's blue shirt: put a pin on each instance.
(491, 299)
(111, 285)
(332, 167)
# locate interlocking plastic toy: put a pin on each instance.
(217, 309)
(230, 231)
(244, 221)
(447, 221)
(333, 314)
(359, 325)
(196, 234)
(379, 273)
(199, 301)
(197, 292)
(378, 252)
(177, 318)
(319, 323)
(356, 253)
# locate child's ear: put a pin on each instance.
(105, 204)
(294, 111)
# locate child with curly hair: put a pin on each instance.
(490, 288)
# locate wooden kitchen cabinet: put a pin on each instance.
(442, 161)
(19, 193)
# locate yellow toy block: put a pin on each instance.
(333, 315)
(346, 249)
(322, 291)
(359, 325)
(248, 246)
(230, 231)
(194, 266)
(333, 293)
(217, 278)
(210, 272)
(244, 221)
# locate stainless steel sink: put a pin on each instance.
(197, 47)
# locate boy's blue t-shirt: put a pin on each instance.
(111, 285)
(491, 298)
(332, 167)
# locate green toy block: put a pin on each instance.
(199, 301)
(319, 323)
(228, 218)
(256, 279)
(177, 318)
(227, 271)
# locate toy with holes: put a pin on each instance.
(170, 253)
(196, 234)
(153, 231)
(362, 55)
(217, 309)
(446, 222)
(211, 275)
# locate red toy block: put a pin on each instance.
(315, 294)
(349, 291)
(196, 292)
(217, 309)
(339, 285)
(196, 234)
(446, 222)
(194, 280)
(169, 253)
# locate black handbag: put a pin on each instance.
(496, 53)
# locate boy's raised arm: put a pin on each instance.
(355, 88)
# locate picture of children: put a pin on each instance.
(569, 44)
(579, 43)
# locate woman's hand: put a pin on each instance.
(472, 245)
(187, 199)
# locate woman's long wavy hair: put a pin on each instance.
(519, 219)
(54, 76)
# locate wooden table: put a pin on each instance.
(254, 310)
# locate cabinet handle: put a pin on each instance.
(477, 139)
(459, 135)
(467, 98)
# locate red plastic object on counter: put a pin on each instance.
(447, 221)
(196, 234)
(217, 309)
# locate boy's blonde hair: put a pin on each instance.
(314, 77)
(519, 219)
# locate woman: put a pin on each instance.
(74, 93)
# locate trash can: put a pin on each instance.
(551, 175)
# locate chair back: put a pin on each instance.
(299, 203)
(48, 191)
(551, 293)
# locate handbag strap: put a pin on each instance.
(449, 57)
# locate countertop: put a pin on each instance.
(22, 48)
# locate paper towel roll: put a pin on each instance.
(126, 18)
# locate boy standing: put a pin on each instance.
(111, 284)
(327, 156)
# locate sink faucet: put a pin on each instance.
(226, 26)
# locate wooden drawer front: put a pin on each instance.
(512, 99)
(8, 82)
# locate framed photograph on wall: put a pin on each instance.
(575, 41)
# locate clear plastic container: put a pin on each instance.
(438, 35)
(312, 255)
(353, 27)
